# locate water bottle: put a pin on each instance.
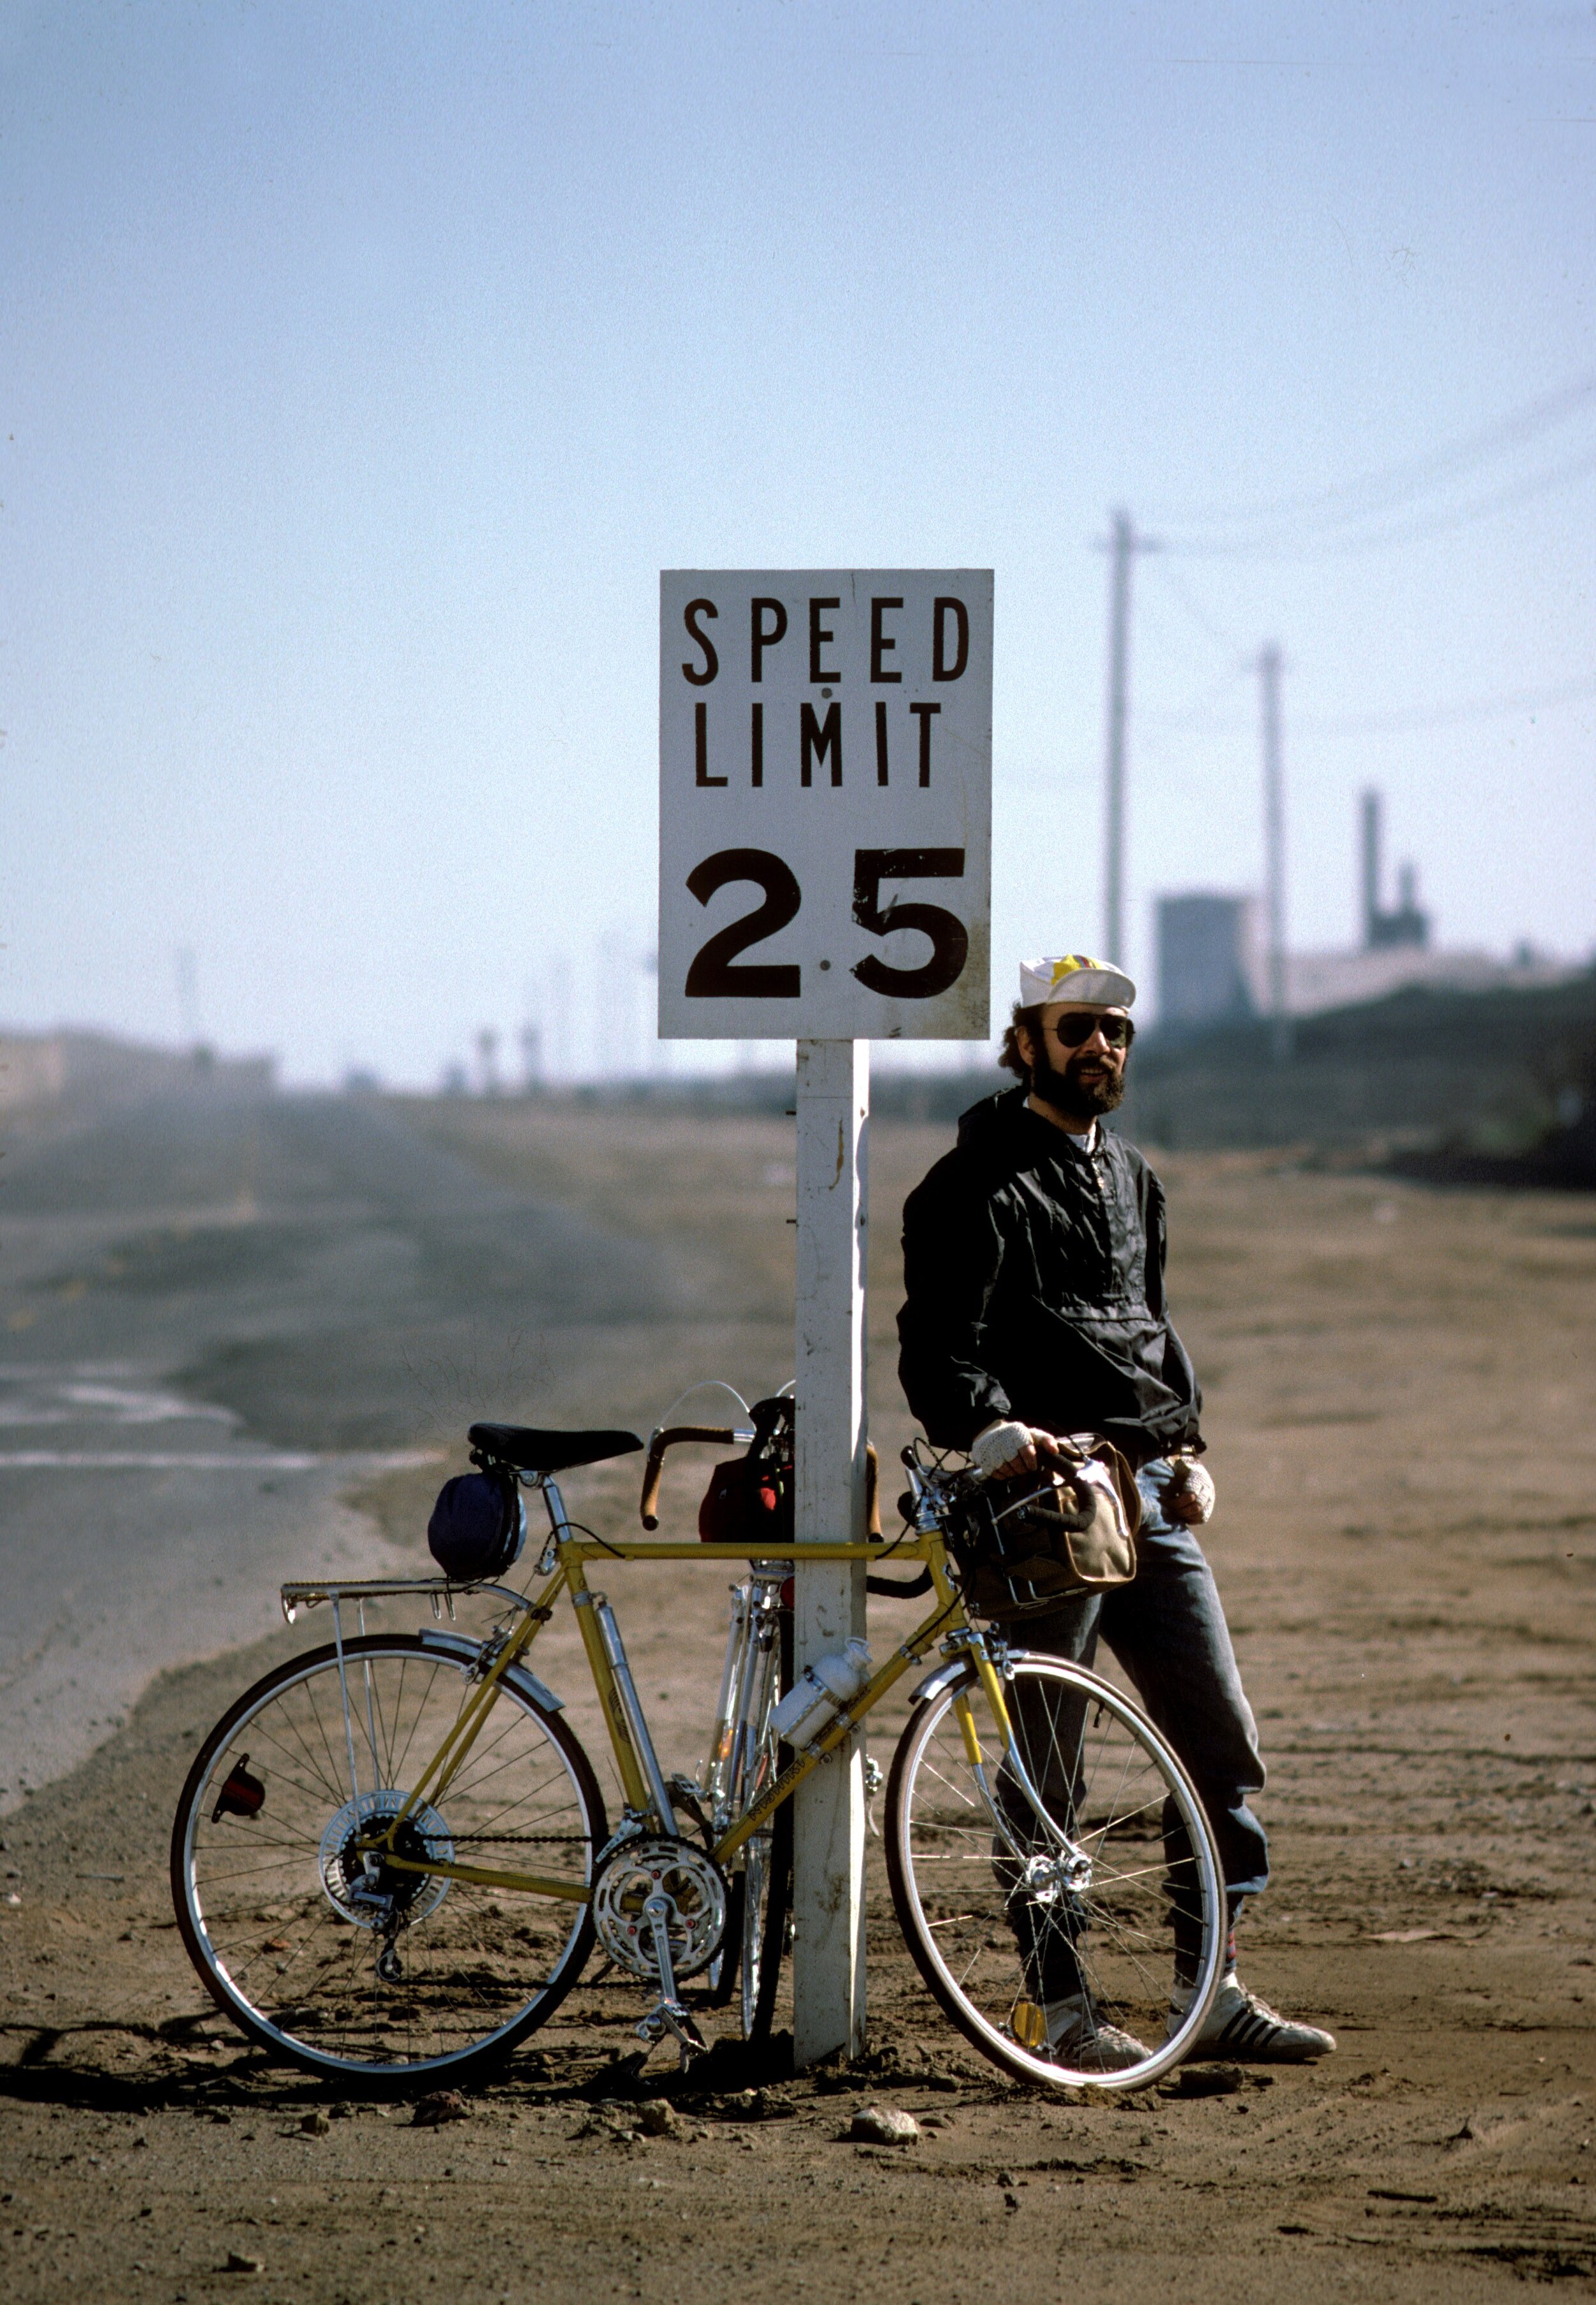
(821, 1691)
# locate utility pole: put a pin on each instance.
(188, 995)
(1121, 545)
(1274, 845)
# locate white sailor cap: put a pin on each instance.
(1074, 976)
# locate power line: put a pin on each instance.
(1439, 524)
(1384, 491)
(1371, 724)
(1485, 708)
(1203, 715)
(1194, 608)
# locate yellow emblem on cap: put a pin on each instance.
(1070, 962)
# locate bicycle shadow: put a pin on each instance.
(55, 2065)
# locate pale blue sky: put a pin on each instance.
(363, 366)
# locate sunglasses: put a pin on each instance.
(1073, 1032)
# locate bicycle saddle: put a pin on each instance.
(531, 1449)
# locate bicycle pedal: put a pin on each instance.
(672, 2016)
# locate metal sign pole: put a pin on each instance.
(832, 1108)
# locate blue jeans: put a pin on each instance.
(1168, 1632)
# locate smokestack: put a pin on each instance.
(1370, 869)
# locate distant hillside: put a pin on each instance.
(1502, 1083)
(1496, 1085)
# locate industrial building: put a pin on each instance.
(1208, 960)
(1212, 968)
(95, 1069)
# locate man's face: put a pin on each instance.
(1079, 1072)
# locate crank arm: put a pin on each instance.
(656, 1912)
(668, 2014)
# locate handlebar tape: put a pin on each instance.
(721, 1435)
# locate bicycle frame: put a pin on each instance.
(748, 1683)
(564, 1563)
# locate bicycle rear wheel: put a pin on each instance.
(758, 1673)
(1046, 1939)
(369, 1970)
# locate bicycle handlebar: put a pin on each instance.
(726, 1436)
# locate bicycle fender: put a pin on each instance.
(466, 1653)
(944, 1677)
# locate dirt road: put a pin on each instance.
(1402, 1409)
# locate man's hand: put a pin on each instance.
(1005, 1448)
(1189, 1499)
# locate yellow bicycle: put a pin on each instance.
(392, 1860)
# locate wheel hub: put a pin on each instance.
(361, 1884)
(694, 1892)
(1047, 1879)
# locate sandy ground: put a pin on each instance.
(1402, 1411)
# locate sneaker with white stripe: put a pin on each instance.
(1246, 2030)
(1078, 2037)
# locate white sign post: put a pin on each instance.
(825, 836)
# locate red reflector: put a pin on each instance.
(242, 1795)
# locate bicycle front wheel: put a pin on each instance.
(325, 1953)
(1044, 1927)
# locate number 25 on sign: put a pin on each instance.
(825, 804)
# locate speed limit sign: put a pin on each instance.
(825, 804)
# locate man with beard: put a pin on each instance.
(1033, 1259)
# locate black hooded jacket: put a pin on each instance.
(1035, 1279)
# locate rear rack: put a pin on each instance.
(438, 1589)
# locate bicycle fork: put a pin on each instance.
(1065, 1867)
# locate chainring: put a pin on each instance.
(689, 1880)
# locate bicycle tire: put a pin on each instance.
(283, 1933)
(999, 1941)
(765, 1942)
(762, 1927)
